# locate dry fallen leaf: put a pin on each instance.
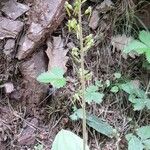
(94, 20)
(56, 53)
(105, 6)
(119, 42)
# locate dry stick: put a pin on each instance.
(82, 77)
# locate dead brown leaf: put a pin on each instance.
(56, 53)
(105, 6)
(119, 42)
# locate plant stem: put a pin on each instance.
(82, 76)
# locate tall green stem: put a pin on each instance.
(82, 76)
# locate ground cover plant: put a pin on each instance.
(89, 94)
(75, 75)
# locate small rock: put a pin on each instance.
(1, 44)
(30, 69)
(45, 17)
(94, 20)
(9, 28)
(27, 136)
(9, 87)
(33, 67)
(9, 47)
(14, 9)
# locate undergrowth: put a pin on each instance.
(87, 93)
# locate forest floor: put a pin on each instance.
(34, 37)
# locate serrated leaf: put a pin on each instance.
(78, 114)
(135, 45)
(55, 77)
(96, 123)
(114, 89)
(67, 140)
(131, 88)
(134, 143)
(144, 36)
(92, 94)
(117, 75)
(144, 132)
(139, 103)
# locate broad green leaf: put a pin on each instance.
(92, 94)
(67, 140)
(136, 46)
(114, 89)
(144, 36)
(134, 143)
(148, 55)
(55, 77)
(117, 75)
(131, 88)
(96, 123)
(139, 103)
(146, 144)
(144, 132)
(101, 126)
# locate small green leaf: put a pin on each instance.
(55, 77)
(92, 88)
(39, 147)
(99, 83)
(148, 55)
(135, 45)
(96, 123)
(107, 83)
(67, 140)
(91, 94)
(144, 132)
(131, 89)
(78, 114)
(139, 103)
(144, 36)
(134, 143)
(117, 75)
(114, 89)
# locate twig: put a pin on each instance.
(82, 76)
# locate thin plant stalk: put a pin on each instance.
(82, 76)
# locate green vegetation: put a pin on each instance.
(94, 93)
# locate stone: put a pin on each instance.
(45, 16)
(14, 9)
(9, 28)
